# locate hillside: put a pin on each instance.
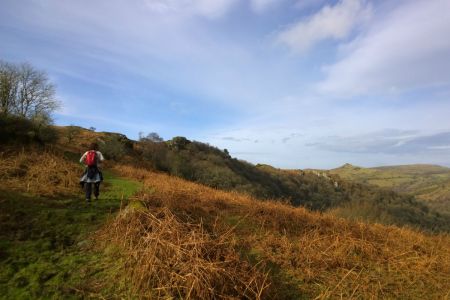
(202, 163)
(46, 228)
(205, 164)
(175, 238)
(429, 183)
(312, 255)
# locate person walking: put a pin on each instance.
(92, 175)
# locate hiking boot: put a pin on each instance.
(88, 200)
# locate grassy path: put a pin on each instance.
(44, 247)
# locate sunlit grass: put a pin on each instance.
(45, 245)
(324, 256)
(428, 183)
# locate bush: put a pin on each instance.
(179, 143)
(113, 148)
(15, 129)
(71, 132)
(180, 165)
(156, 153)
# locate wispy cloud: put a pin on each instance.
(331, 22)
(208, 70)
(308, 4)
(238, 140)
(391, 141)
(290, 137)
(260, 6)
(233, 139)
(405, 48)
(206, 8)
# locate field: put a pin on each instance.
(428, 183)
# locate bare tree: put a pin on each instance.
(26, 91)
(8, 87)
(36, 94)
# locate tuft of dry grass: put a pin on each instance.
(44, 172)
(168, 258)
(327, 256)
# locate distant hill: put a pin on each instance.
(429, 183)
(208, 165)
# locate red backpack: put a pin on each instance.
(91, 158)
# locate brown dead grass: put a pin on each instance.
(39, 172)
(80, 141)
(168, 258)
(328, 257)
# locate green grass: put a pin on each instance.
(429, 183)
(45, 250)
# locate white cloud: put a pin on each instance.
(206, 8)
(162, 46)
(391, 141)
(331, 22)
(259, 6)
(405, 49)
(165, 59)
(308, 4)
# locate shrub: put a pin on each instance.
(179, 143)
(15, 129)
(113, 148)
(156, 153)
(71, 132)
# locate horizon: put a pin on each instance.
(309, 168)
(293, 84)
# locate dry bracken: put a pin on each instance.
(328, 257)
(43, 172)
(168, 258)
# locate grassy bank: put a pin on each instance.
(45, 250)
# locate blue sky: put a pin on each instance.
(291, 83)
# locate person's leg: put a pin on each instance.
(88, 187)
(97, 190)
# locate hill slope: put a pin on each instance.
(304, 254)
(429, 183)
(205, 164)
(46, 251)
(185, 240)
(202, 163)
